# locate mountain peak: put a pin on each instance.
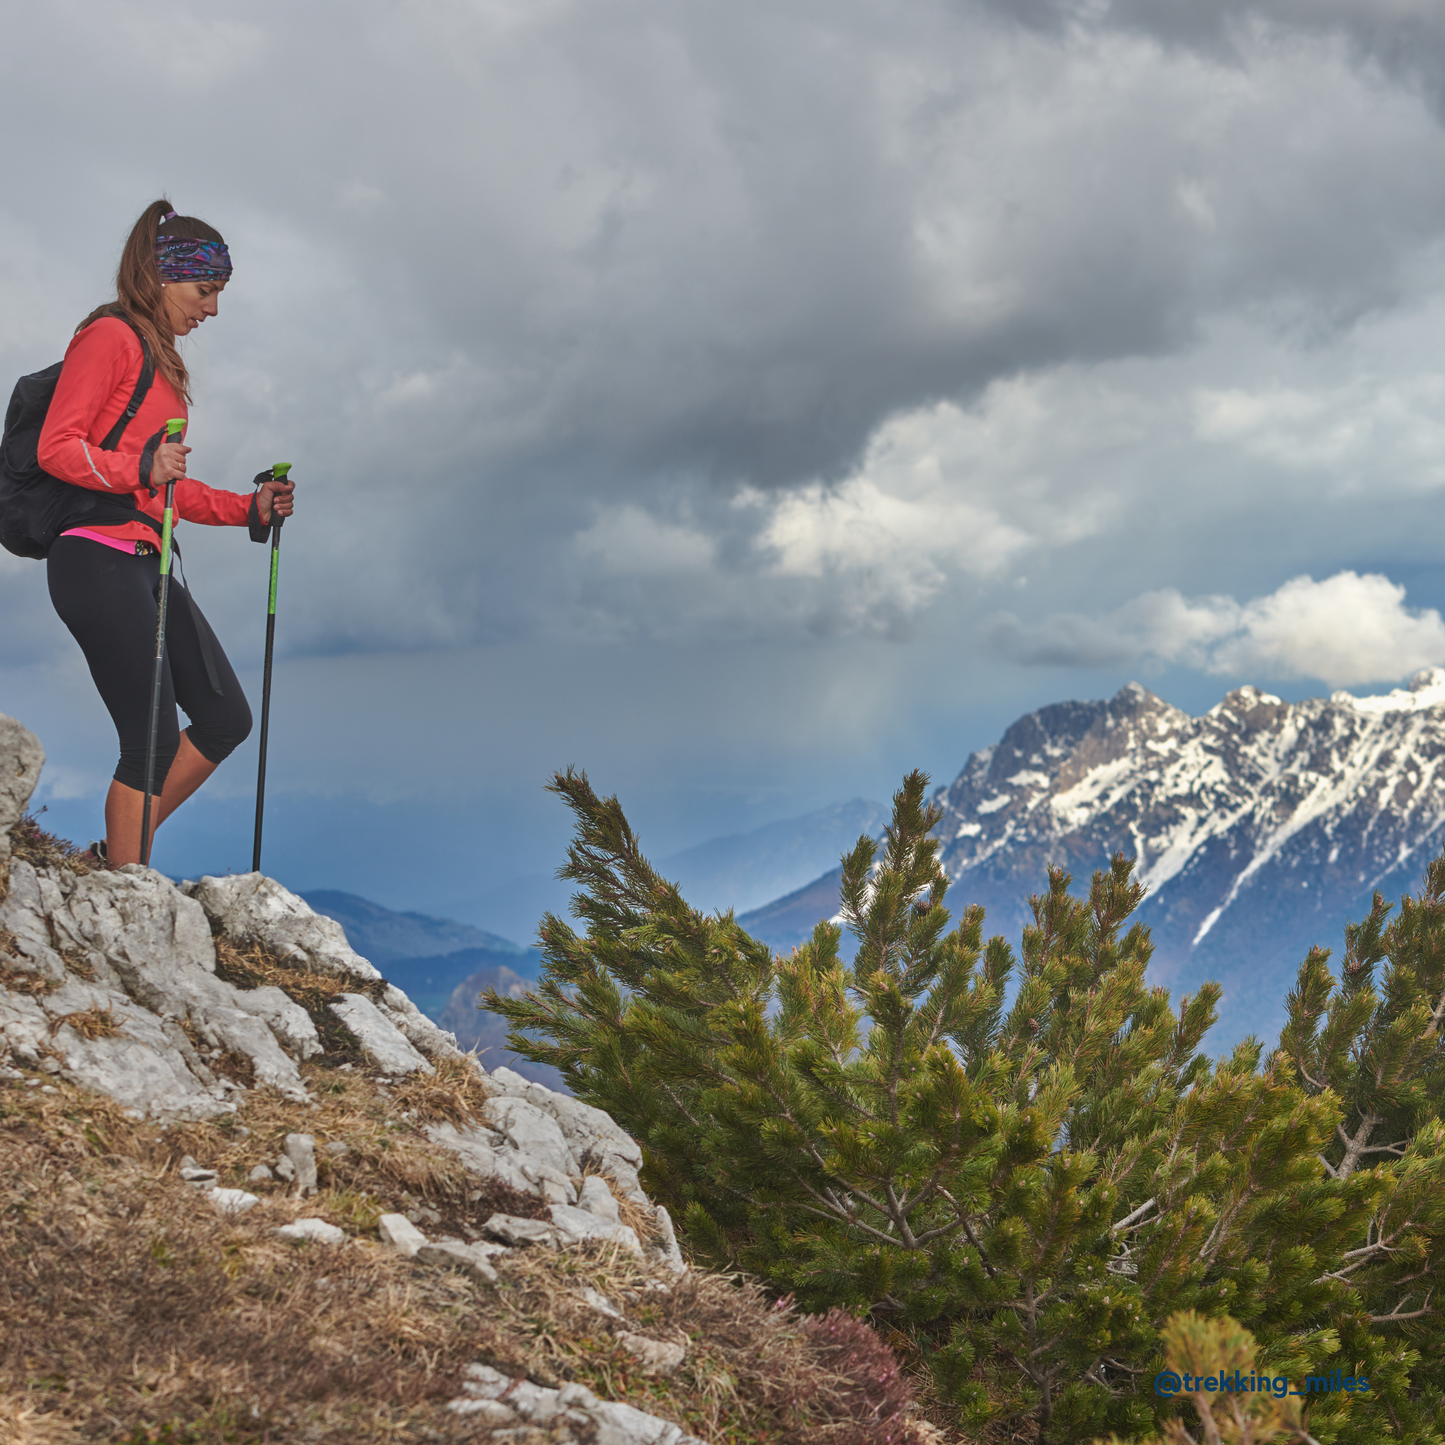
(1260, 820)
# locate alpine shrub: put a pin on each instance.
(1024, 1165)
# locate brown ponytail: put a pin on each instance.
(138, 288)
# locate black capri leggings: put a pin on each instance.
(107, 598)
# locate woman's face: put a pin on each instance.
(188, 303)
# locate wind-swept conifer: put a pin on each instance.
(1024, 1167)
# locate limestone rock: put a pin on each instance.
(149, 951)
(301, 1152)
(232, 1201)
(599, 1302)
(487, 1412)
(669, 1253)
(602, 1422)
(532, 1131)
(399, 1233)
(260, 1175)
(515, 1230)
(317, 1230)
(553, 1185)
(578, 1226)
(592, 1136)
(283, 1016)
(21, 758)
(596, 1198)
(251, 908)
(456, 1255)
(658, 1357)
(478, 1150)
(380, 1040)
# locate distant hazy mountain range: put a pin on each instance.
(442, 966)
(1260, 828)
(739, 871)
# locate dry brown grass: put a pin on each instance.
(91, 1023)
(252, 966)
(755, 1370)
(130, 1311)
(453, 1092)
(18, 979)
(32, 844)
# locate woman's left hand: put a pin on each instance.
(275, 496)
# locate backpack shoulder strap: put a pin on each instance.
(142, 386)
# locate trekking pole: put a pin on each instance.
(174, 428)
(278, 471)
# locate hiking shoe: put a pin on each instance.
(97, 850)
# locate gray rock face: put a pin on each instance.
(252, 908)
(21, 758)
(518, 1231)
(301, 1152)
(590, 1136)
(382, 1043)
(130, 960)
(596, 1198)
(399, 1233)
(573, 1412)
(232, 1201)
(658, 1357)
(317, 1231)
(532, 1131)
(453, 1254)
(579, 1226)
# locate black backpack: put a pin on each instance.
(35, 508)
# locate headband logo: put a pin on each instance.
(180, 258)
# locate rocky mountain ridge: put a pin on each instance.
(1259, 828)
(135, 1012)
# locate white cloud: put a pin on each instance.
(1346, 630)
(631, 542)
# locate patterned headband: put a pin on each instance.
(180, 258)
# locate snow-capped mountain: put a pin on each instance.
(1259, 828)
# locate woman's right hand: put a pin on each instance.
(169, 463)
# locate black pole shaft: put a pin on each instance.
(157, 672)
(266, 691)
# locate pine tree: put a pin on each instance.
(1206, 1356)
(1027, 1191)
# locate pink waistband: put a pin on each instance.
(121, 544)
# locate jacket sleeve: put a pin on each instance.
(210, 506)
(196, 502)
(102, 360)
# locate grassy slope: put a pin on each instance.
(131, 1310)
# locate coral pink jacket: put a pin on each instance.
(102, 366)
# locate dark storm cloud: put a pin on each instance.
(608, 322)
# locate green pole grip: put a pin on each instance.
(174, 427)
(279, 470)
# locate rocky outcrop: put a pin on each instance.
(21, 758)
(572, 1412)
(110, 980)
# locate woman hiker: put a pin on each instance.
(104, 579)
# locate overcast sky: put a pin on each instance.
(746, 403)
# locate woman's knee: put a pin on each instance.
(131, 769)
(216, 737)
